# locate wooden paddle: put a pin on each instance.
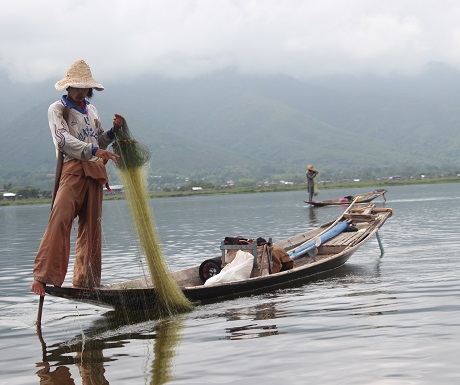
(40, 310)
(57, 180)
(57, 176)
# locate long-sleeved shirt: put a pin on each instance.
(310, 177)
(79, 134)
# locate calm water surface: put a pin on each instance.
(377, 320)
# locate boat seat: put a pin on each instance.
(368, 209)
(358, 217)
(262, 268)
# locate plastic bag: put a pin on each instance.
(238, 270)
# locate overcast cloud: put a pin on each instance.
(122, 39)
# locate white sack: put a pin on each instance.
(238, 270)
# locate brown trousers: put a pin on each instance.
(78, 195)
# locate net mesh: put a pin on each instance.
(131, 165)
(132, 153)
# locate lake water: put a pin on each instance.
(377, 320)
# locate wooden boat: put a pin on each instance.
(362, 198)
(315, 251)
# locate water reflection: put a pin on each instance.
(265, 311)
(251, 331)
(91, 353)
(312, 215)
(167, 339)
(61, 375)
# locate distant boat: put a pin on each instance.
(312, 252)
(362, 198)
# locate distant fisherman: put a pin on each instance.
(310, 174)
(81, 145)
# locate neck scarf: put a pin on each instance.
(81, 108)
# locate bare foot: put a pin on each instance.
(38, 287)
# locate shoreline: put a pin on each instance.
(249, 190)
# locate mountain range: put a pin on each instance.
(228, 125)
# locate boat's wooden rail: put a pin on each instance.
(297, 240)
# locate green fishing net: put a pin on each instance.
(132, 153)
(133, 157)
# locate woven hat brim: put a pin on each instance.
(63, 84)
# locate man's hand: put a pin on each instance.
(106, 155)
(118, 122)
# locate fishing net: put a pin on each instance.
(133, 157)
(132, 154)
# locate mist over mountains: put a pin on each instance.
(230, 126)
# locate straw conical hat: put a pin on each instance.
(78, 76)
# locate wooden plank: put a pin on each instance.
(343, 239)
(361, 217)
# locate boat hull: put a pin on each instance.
(364, 198)
(146, 298)
(331, 255)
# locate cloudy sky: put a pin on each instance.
(123, 39)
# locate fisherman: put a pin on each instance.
(82, 143)
(311, 174)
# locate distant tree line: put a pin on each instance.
(27, 192)
(231, 178)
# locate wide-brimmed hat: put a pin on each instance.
(310, 167)
(78, 76)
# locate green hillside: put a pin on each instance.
(229, 126)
